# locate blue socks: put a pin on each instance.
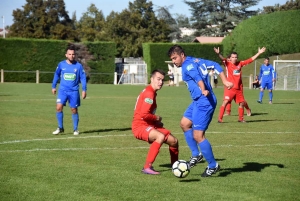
(191, 142)
(271, 95)
(261, 95)
(60, 117)
(75, 118)
(207, 153)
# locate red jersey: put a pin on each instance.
(145, 107)
(234, 72)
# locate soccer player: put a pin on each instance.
(267, 77)
(234, 75)
(70, 73)
(198, 115)
(148, 126)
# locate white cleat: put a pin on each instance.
(58, 131)
(76, 132)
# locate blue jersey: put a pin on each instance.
(267, 73)
(195, 70)
(70, 76)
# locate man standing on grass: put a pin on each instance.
(70, 73)
(148, 126)
(267, 77)
(197, 117)
(234, 75)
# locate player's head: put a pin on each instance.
(177, 55)
(157, 79)
(233, 57)
(70, 53)
(266, 61)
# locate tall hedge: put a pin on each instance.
(279, 32)
(44, 55)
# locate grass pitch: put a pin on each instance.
(259, 160)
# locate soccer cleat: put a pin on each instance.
(220, 121)
(249, 113)
(209, 171)
(242, 121)
(194, 160)
(76, 132)
(150, 170)
(58, 131)
(259, 101)
(270, 102)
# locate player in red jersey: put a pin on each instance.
(234, 75)
(148, 126)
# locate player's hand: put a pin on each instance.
(217, 50)
(158, 118)
(229, 85)
(261, 50)
(159, 124)
(53, 91)
(205, 92)
(83, 94)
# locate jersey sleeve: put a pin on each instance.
(83, 79)
(246, 62)
(260, 72)
(193, 72)
(146, 106)
(212, 65)
(56, 76)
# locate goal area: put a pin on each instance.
(288, 74)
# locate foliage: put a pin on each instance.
(278, 32)
(259, 160)
(218, 18)
(43, 20)
(289, 5)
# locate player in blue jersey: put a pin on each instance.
(198, 115)
(70, 73)
(267, 77)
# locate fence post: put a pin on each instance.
(37, 76)
(2, 76)
(250, 81)
(146, 78)
(115, 78)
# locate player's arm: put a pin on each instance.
(196, 75)
(56, 78)
(260, 74)
(217, 51)
(83, 83)
(274, 76)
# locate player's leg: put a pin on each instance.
(261, 92)
(173, 144)
(74, 102)
(228, 109)
(270, 88)
(60, 102)
(203, 117)
(228, 96)
(241, 101)
(247, 108)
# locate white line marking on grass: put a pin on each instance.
(128, 135)
(126, 148)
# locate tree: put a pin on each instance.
(289, 5)
(219, 17)
(134, 26)
(43, 19)
(91, 24)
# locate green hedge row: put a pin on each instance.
(44, 55)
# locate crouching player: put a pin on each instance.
(148, 126)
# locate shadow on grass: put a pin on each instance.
(105, 130)
(248, 167)
(282, 103)
(261, 120)
(257, 113)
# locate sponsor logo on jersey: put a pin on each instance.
(70, 76)
(75, 70)
(190, 67)
(236, 72)
(149, 128)
(149, 100)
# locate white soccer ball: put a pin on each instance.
(181, 168)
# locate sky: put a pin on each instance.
(80, 6)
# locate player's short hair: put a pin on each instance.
(70, 47)
(176, 49)
(158, 71)
(267, 58)
(233, 53)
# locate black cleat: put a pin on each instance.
(194, 160)
(209, 171)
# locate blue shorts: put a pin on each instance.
(269, 85)
(200, 115)
(72, 97)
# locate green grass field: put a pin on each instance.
(259, 160)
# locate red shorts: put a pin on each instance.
(142, 132)
(234, 94)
